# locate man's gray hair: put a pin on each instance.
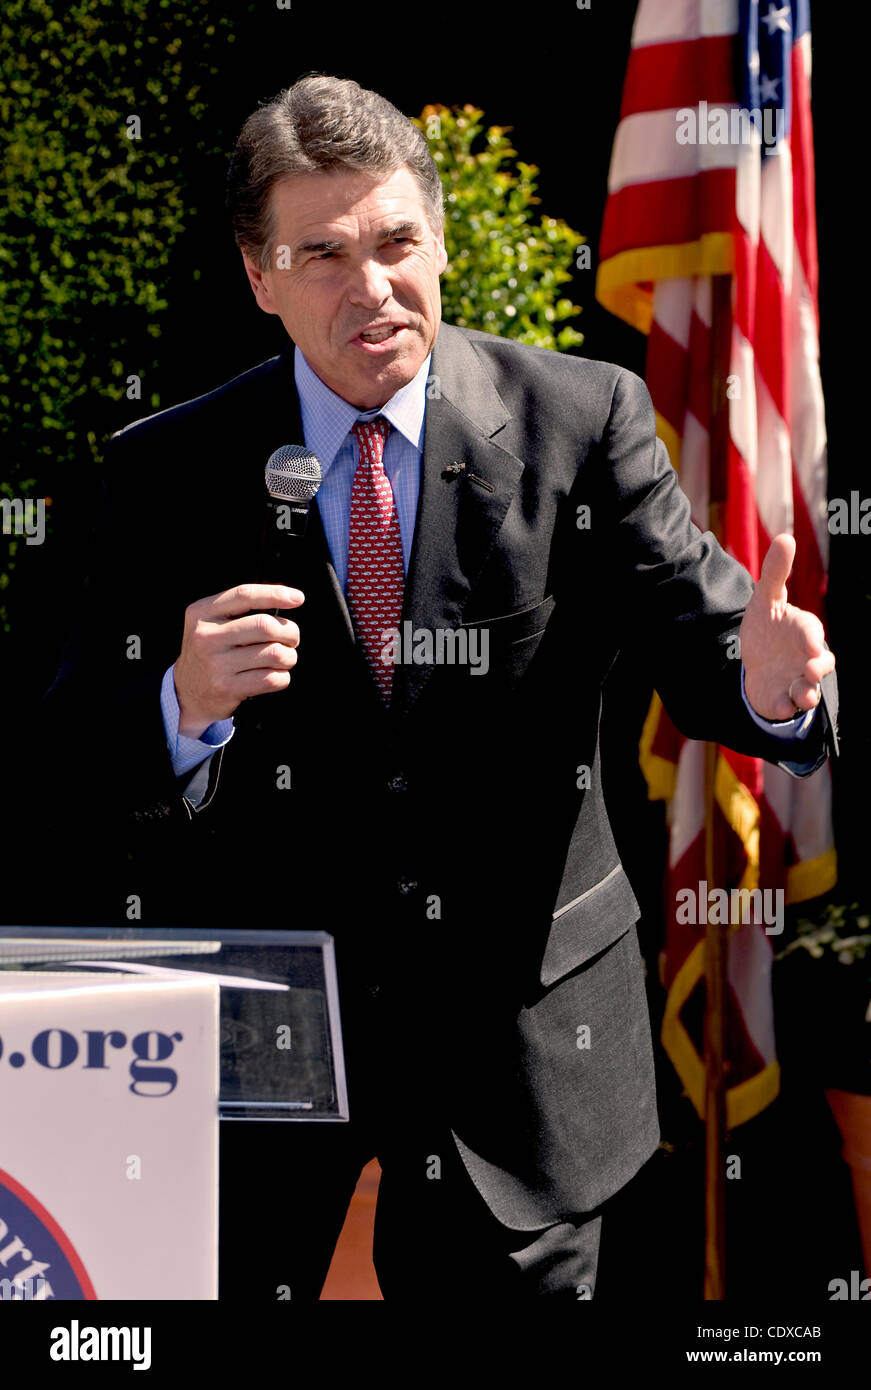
(321, 124)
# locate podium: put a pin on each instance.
(120, 1052)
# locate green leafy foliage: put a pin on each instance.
(842, 929)
(506, 262)
(89, 216)
(833, 1003)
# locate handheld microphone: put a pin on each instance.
(293, 476)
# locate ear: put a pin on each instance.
(259, 282)
(441, 253)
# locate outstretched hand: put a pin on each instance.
(782, 647)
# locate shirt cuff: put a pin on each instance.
(187, 753)
(788, 729)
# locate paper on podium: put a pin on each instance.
(109, 1136)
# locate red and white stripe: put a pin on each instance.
(675, 215)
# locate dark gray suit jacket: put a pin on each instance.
(474, 889)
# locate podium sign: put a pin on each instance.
(109, 1136)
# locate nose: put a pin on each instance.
(370, 285)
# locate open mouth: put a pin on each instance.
(379, 335)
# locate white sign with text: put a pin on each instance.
(109, 1136)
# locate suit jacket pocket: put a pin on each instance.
(516, 627)
(588, 924)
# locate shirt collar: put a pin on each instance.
(327, 418)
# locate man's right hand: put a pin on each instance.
(229, 653)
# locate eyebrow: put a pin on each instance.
(402, 229)
(306, 246)
(399, 229)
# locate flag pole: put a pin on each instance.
(716, 936)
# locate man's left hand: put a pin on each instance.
(782, 647)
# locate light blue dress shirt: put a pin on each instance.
(326, 423)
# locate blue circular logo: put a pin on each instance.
(38, 1259)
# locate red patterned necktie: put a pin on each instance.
(376, 573)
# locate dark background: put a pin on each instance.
(554, 74)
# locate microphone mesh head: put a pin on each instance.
(293, 474)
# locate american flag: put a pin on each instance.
(698, 190)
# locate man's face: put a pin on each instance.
(363, 260)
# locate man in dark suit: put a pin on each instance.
(494, 523)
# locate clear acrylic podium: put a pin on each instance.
(281, 1043)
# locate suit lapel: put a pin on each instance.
(467, 483)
